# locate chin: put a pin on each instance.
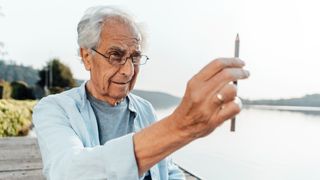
(119, 92)
(119, 95)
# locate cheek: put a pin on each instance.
(101, 76)
(134, 78)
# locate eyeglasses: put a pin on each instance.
(119, 59)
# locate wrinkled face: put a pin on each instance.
(110, 82)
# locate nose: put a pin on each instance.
(127, 68)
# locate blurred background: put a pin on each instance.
(276, 132)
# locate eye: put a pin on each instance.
(116, 53)
(115, 56)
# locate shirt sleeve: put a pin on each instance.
(65, 157)
(174, 171)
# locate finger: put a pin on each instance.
(216, 66)
(224, 77)
(225, 95)
(229, 110)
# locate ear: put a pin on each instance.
(86, 58)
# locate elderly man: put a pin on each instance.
(102, 131)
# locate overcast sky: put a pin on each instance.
(279, 40)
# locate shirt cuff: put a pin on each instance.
(120, 158)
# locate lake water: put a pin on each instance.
(267, 145)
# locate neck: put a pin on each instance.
(110, 100)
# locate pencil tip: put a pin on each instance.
(237, 38)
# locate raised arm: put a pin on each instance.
(199, 113)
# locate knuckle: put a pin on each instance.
(190, 83)
(194, 92)
(196, 98)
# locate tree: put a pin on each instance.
(56, 75)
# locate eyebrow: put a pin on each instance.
(115, 48)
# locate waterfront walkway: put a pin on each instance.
(20, 159)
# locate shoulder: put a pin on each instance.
(63, 99)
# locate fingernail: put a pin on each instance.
(240, 61)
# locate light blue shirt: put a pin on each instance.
(68, 138)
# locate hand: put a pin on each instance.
(199, 113)
(201, 110)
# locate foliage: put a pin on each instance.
(13, 72)
(56, 90)
(61, 75)
(21, 91)
(15, 117)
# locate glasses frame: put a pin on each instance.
(126, 58)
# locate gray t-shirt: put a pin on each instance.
(113, 121)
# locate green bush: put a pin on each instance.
(15, 117)
(21, 91)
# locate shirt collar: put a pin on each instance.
(84, 99)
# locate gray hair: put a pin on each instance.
(89, 27)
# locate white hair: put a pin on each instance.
(89, 27)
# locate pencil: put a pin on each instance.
(236, 54)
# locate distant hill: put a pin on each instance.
(14, 72)
(162, 100)
(312, 100)
(159, 100)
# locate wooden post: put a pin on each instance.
(1, 91)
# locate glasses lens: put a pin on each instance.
(136, 60)
(116, 60)
(143, 59)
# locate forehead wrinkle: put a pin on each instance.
(125, 44)
(125, 37)
(119, 31)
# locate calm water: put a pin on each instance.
(267, 145)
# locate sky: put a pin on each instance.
(279, 40)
